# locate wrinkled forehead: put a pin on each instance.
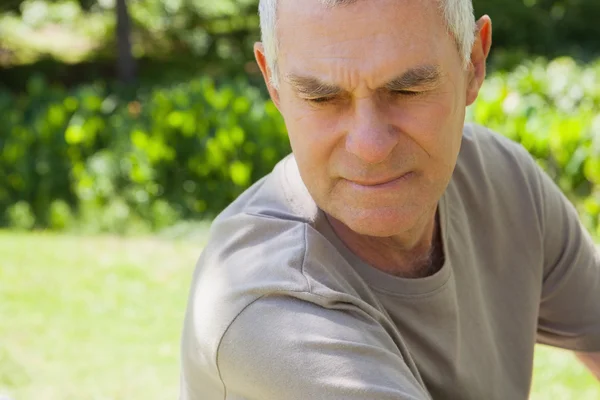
(342, 15)
(365, 33)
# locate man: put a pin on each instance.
(398, 254)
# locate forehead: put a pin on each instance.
(367, 37)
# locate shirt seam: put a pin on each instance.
(308, 291)
(304, 258)
(221, 341)
(415, 296)
(281, 292)
(580, 343)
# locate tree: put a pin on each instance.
(126, 65)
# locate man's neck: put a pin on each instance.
(415, 254)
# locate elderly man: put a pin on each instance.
(397, 254)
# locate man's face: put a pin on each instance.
(373, 95)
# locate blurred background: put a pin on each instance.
(127, 125)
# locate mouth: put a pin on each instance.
(382, 183)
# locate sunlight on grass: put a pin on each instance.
(558, 375)
(100, 318)
(91, 318)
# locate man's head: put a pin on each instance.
(457, 14)
(374, 93)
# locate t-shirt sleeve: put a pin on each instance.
(569, 314)
(282, 347)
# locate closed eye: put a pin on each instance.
(406, 93)
(331, 99)
(320, 100)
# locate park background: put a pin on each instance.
(127, 125)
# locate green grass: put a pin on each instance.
(558, 375)
(100, 318)
(91, 318)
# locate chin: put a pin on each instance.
(379, 222)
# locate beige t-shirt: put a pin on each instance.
(280, 309)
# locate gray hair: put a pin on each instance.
(458, 14)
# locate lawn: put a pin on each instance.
(99, 318)
(91, 318)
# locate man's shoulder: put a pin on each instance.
(247, 256)
(254, 244)
(264, 244)
(279, 195)
(262, 236)
(259, 239)
(484, 146)
(496, 186)
(492, 164)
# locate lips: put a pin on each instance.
(380, 182)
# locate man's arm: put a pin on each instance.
(281, 347)
(569, 315)
(591, 361)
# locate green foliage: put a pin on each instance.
(61, 216)
(552, 110)
(58, 29)
(170, 153)
(544, 27)
(110, 160)
(20, 216)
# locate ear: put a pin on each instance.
(261, 59)
(479, 55)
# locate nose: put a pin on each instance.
(370, 137)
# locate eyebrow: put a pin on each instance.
(422, 76)
(311, 87)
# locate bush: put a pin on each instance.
(60, 217)
(173, 152)
(20, 216)
(116, 163)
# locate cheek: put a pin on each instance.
(434, 124)
(311, 130)
(314, 135)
